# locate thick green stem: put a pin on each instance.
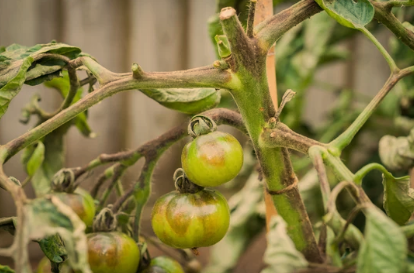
(255, 105)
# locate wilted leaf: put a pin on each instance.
(281, 254)
(350, 13)
(17, 65)
(188, 101)
(398, 198)
(36, 159)
(47, 217)
(384, 249)
(12, 84)
(397, 153)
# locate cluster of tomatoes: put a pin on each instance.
(108, 251)
(194, 216)
(190, 217)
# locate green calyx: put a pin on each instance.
(201, 125)
(223, 46)
(183, 184)
(64, 181)
(105, 221)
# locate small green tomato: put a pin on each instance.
(163, 264)
(112, 252)
(191, 220)
(81, 203)
(212, 159)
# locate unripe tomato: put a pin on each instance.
(191, 220)
(112, 252)
(212, 159)
(81, 203)
(163, 264)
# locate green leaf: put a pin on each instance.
(384, 249)
(36, 159)
(281, 254)
(350, 13)
(54, 159)
(188, 101)
(398, 198)
(15, 79)
(54, 248)
(5, 269)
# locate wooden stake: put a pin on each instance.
(264, 10)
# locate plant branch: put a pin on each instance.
(200, 77)
(283, 136)
(366, 169)
(272, 29)
(334, 220)
(384, 52)
(316, 157)
(391, 4)
(240, 45)
(385, 16)
(331, 205)
(338, 144)
(74, 85)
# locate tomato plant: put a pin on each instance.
(306, 231)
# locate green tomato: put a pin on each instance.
(112, 252)
(163, 264)
(191, 220)
(81, 203)
(212, 159)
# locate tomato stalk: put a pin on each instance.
(256, 107)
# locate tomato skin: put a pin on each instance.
(163, 264)
(112, 252)
(81, 203)
(212, 159)
(190, 220)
